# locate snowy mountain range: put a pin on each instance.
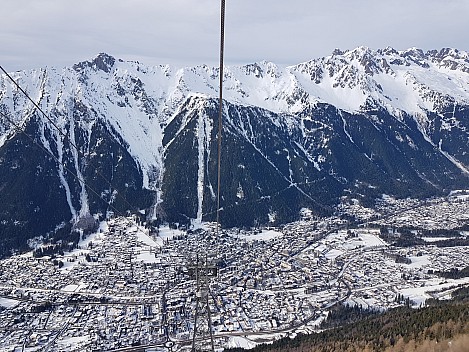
(121, 136)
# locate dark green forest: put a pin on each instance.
(441, 326)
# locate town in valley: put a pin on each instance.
(130, 286)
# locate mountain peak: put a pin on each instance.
(102, 61)
(414, 52)
(388, 51)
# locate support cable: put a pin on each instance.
(202, 270)
(79, 179)
(63, 134)
(220, 108)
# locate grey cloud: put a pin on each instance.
(185, 32)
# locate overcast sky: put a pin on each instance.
(36, 33)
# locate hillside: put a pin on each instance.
(439, 327)
(123, 137)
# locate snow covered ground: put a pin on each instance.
(264, 235)
(8, 303)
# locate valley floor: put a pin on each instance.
(130, 286)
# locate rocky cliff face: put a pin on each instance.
(122, 136)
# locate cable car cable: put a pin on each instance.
(36, 105)
(220, 108)
(20, 130)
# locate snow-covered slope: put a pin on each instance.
(351, 122)
(406, 81)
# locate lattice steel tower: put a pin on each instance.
(202, 272)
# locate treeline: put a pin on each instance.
(401, 329)
(409, 237)
(69, 243)
(400, 237)
(64, 240)
(441, 233)
(454, 273)
(452, 242)
(342, 314)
